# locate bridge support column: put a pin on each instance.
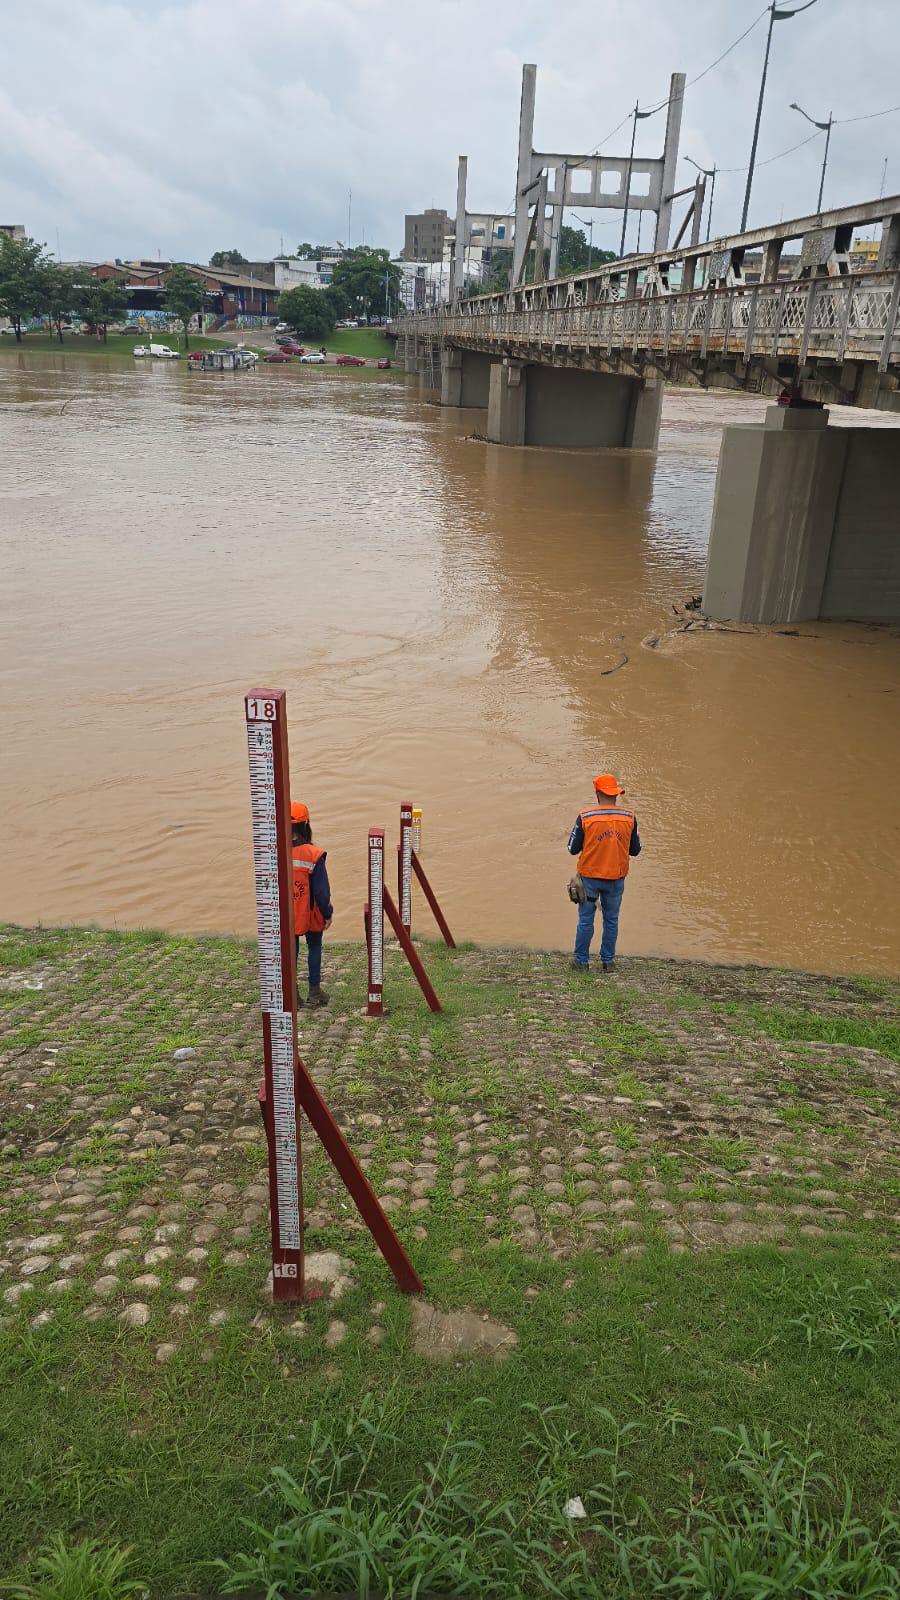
(804, 522)
(642, 431)
(411, 357)
(506, 402)
(465, 377)
(773, 516)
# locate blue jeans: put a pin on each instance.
(313, 957)
(609, 892)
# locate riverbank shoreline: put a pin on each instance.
(666, 1198)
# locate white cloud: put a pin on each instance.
(194, 126)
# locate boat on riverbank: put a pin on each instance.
(227, 360)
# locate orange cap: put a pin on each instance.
(606, 784)
(299, 812)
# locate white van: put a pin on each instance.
(164, 351)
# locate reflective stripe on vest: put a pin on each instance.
(607, 836)
(307, 916)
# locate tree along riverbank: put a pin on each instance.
(667, 1199)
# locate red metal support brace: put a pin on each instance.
(430, 896)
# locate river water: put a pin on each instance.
(458, 624)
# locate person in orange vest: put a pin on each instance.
(604, 839)
(313, 910)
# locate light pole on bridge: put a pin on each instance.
(775, 15)
(826, 129)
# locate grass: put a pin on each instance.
(728, 1417)
(117, 344)
(458, 1476)
(368, 342)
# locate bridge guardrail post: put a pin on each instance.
(751, 323)
(849, 299)
(884, 355)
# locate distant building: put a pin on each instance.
(864, 253)
(13, 230)
(424, 236)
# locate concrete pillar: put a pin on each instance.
(411, 356)
(465, 377)
(451, 376)
(642, 430)
(506, 402)
(777, 489)
(458, 264)
(524, 166)
(669, 160)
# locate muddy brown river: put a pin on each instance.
(463, 625)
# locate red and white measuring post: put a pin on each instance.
(408, 863)
(374, 920)
(271, 811)
(287, 1085)
(379, 906)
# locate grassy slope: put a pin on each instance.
(97, 1438)
(369, 342)
(118, 344)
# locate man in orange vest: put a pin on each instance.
(312, 901)
(604, 839)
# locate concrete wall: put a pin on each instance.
(805, 522)
(863, 575)
(577, 410)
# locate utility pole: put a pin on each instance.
(774, 16)
(637, 116)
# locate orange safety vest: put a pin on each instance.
(307, 916)
(607, 835)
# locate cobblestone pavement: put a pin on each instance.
(545, 1109)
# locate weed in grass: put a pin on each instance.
(84, 1571)
(852, 1320)
(625, 1135)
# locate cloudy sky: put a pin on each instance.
(138, 127)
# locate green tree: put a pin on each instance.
(228, 258)
(59, 294)
(185, 296)
(576, 254)
(312, 252)
(496, 278)
(101, 301)
(366, 277)
(23, 285)
(310, 312)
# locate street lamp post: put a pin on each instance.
(637, 116)
(826, 129)
(706, 172)
(774, 16)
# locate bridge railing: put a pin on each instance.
(858, 315)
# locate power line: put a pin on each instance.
(733, 46)
(868, 116)
(780, 155)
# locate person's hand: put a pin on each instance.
(329, 922)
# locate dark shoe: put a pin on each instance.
(318, 997)
(609, 966)
(579, 966)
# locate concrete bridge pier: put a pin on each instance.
(567, 408)
(804, 522)
(465, 377)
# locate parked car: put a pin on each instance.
(314, 357)
(10, 332)
(350, 361)
(141, 350)
(384, 364)
(291, 347)
(160, 350)
(281, 327)
(279, 355)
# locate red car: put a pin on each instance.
(350, 361)
(291, 346)
(384, 365)
(279, 355)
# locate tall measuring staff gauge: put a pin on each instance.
(288, 1085)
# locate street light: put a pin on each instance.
(774, 16)
(637, 116)
(706, 172)
(826, 129)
